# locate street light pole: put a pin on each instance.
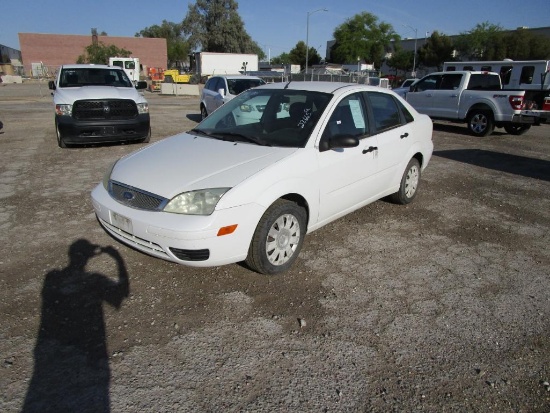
(415, 40)
(307, 35)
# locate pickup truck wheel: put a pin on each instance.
(481, 123)
(60, 142)
(278, 238)
(516, 129)
(409, 184)
(147, 138)
(204, 114)
(168, 79)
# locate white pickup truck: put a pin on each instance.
(98, 104)
(476, 98)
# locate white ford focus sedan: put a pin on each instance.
(276, 162)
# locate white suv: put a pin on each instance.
(221, 89)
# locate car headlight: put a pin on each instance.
(200, 202)
(143, 108)
(107, 175)
(63, 110)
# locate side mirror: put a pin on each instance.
(141, 85)
(338, 142)
(51, 85)
(221, 92)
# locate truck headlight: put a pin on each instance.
(143, 108)
(63, 110)
(200, 202)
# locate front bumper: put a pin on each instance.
(103, 131)
(184, 239)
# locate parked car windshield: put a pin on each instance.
(237, 86)
(94, 77)
(272, 117)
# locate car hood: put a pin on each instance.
(72, 94)
(186, 162)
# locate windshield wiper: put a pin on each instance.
(246, 138)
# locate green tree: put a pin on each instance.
(99, 53)
(298, 55)
(216, 26)
(363, 37)
(484, 42)
(177, 46)
(437, 49)
(522, 44)
(401, 59)
(283, 58)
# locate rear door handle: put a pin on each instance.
(370, 149)
(405, 135)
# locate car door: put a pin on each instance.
(446, 96)
(346, 175)
(391, 124)
(213, 98)
(422, 95)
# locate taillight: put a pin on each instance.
(516, 102)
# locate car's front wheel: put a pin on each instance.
(409, 184)
(278, 238)
(60, 142)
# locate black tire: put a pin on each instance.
(204, 114)
(481, 122)
(409, 184)
(147, 139)
(517, 129)
(60, 142)
(168, 79)
(278, 238)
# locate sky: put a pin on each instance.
(275, 25)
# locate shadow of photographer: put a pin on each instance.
(71, 363)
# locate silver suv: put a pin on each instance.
(221, 89)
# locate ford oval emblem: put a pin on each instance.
(128, 196)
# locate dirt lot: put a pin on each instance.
(439, 306)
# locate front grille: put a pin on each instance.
(191, 255)
(136, 198)
(115, 109)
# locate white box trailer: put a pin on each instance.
(130, 65)
(515, 74)
(209, 63)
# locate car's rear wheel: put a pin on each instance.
(409, 184)
(278, 238)
(204, 114)
(60, 142)
(517, 129)
(481, 123)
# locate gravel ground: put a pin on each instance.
(442, 305)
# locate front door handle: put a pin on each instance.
(370, 149)
(405, 135)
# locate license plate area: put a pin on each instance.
(122, 222)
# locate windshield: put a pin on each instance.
(94, 77)
(272, 117)
(237, 86)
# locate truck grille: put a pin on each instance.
(115, 109)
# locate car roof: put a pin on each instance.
(89, 66)
(237, 77)
(326, 87)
